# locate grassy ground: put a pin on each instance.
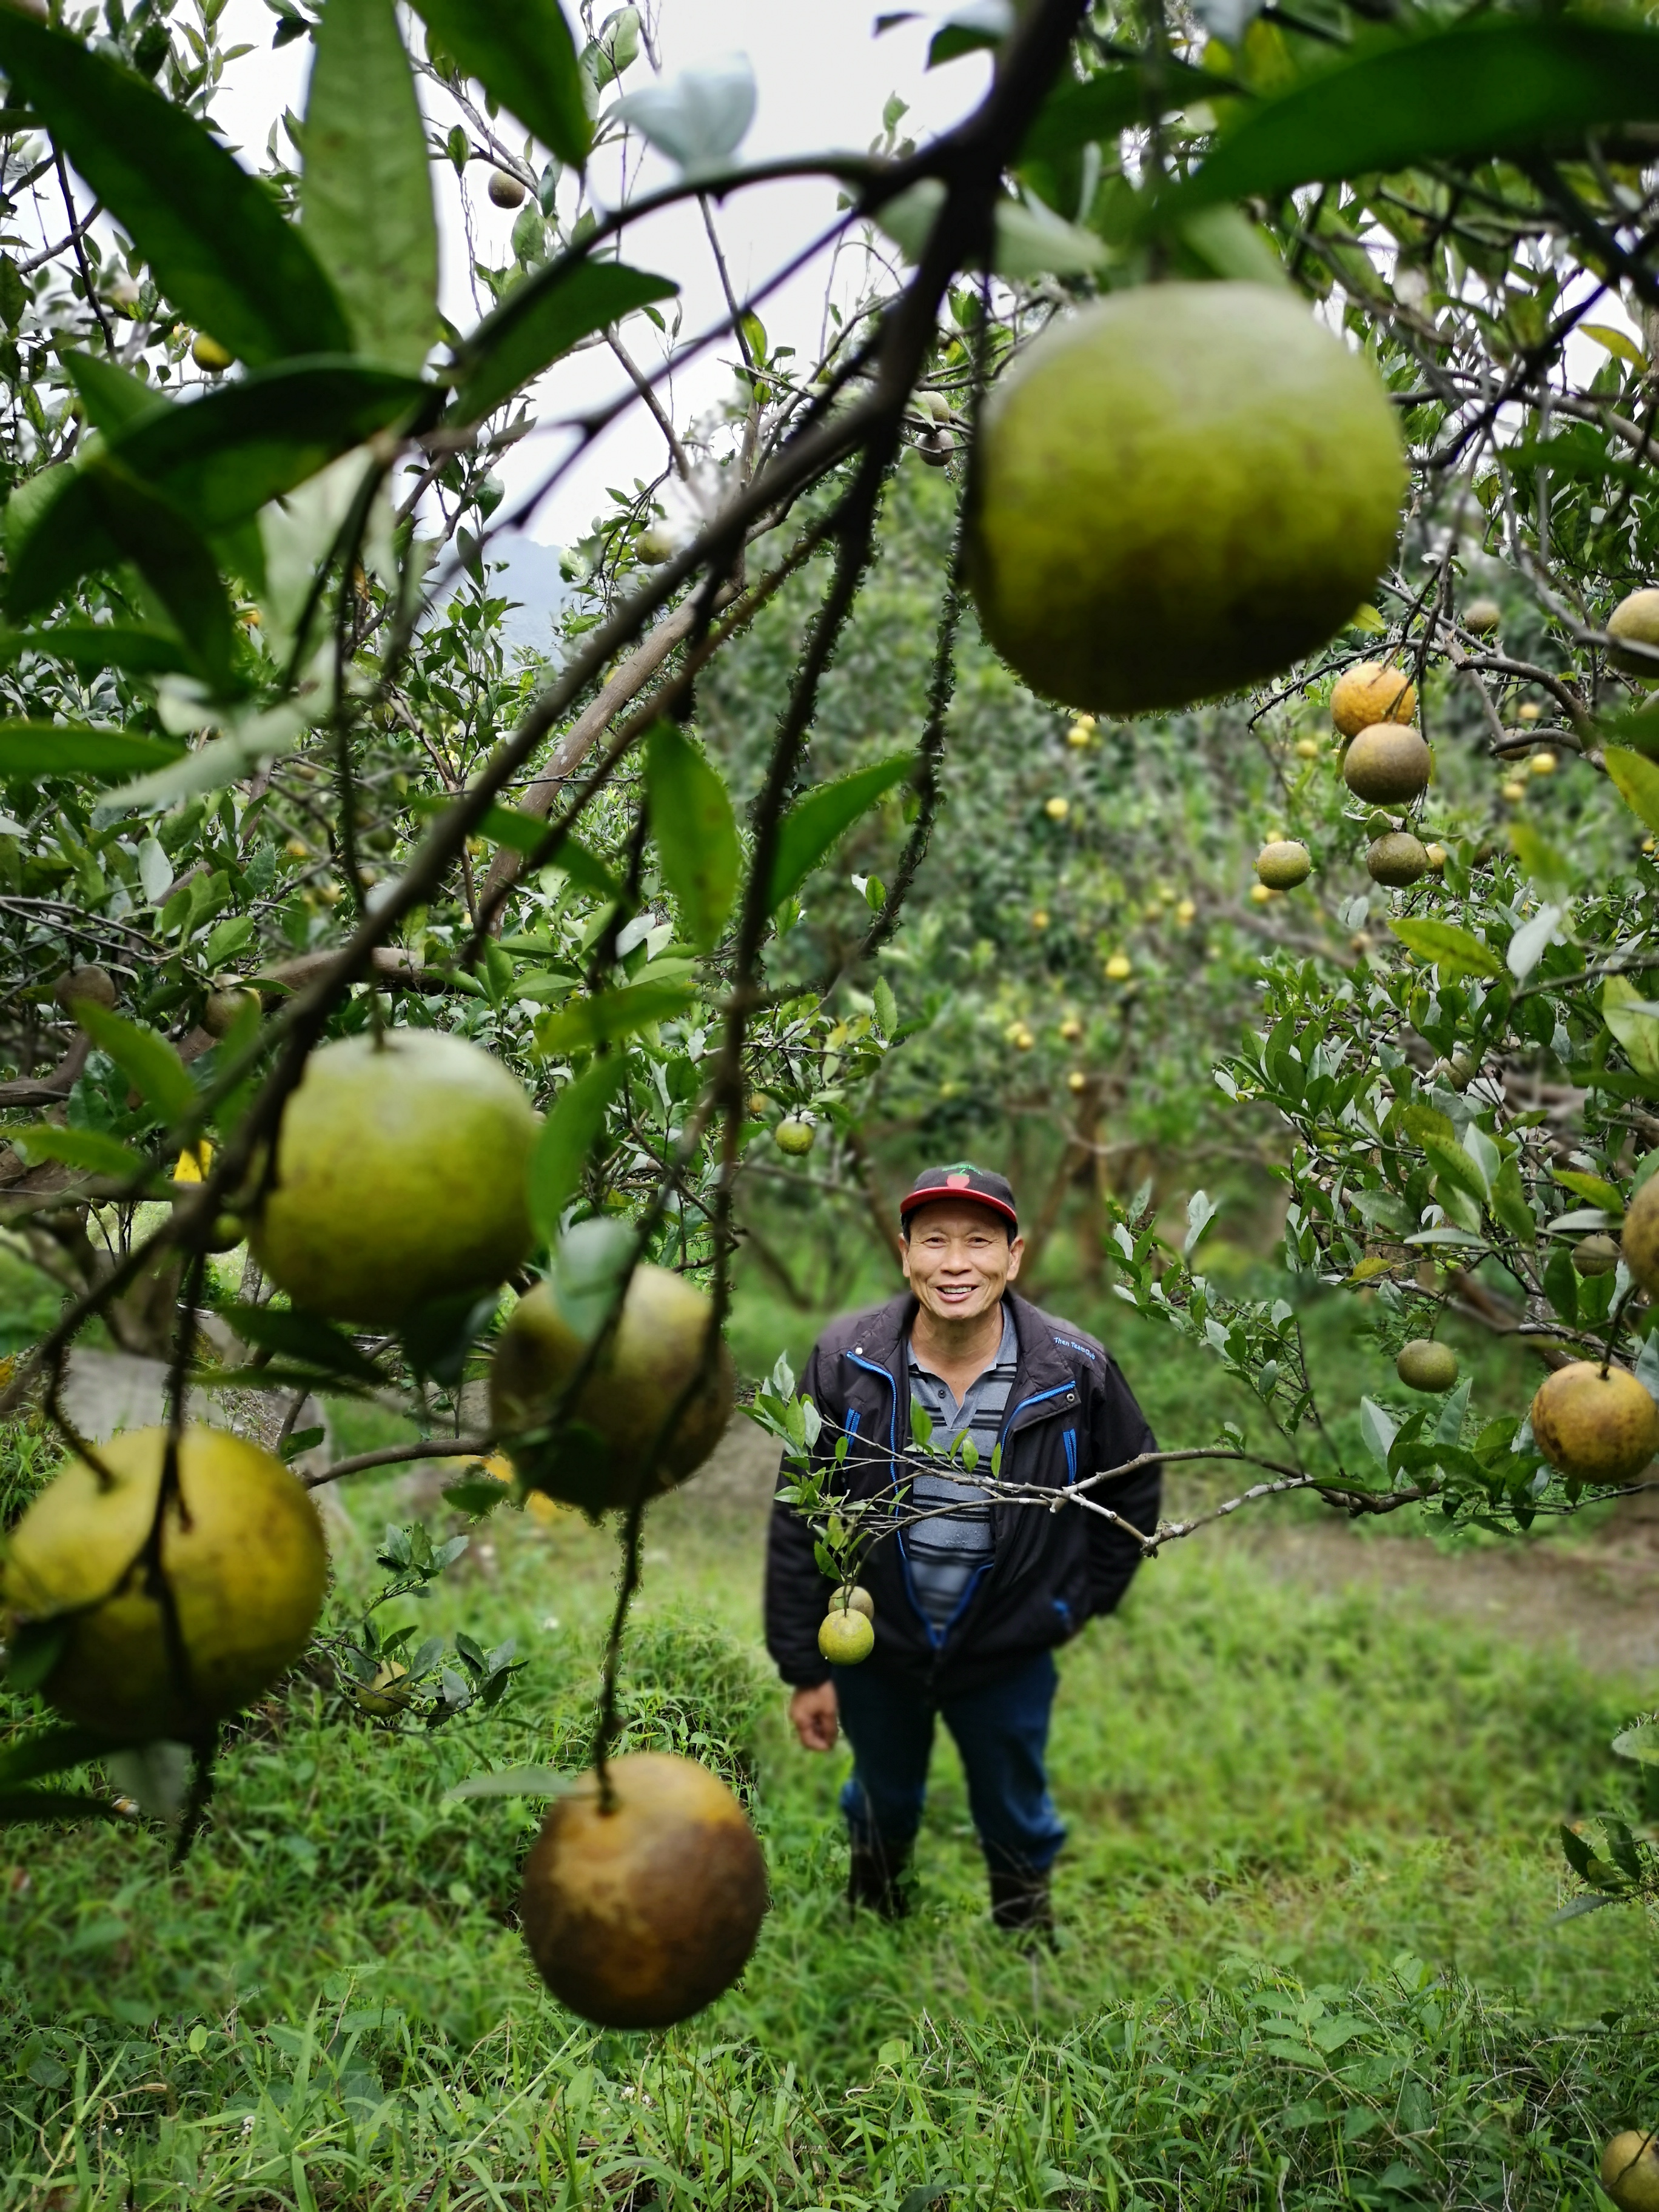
(1305, 1956)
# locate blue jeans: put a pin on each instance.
(1001, 1731)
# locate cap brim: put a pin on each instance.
(937, 1193)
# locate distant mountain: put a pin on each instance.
(532, 578)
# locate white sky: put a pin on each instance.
(823, 80)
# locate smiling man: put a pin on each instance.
(972, 1598)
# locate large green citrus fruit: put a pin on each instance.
(640, 1916)
(1387, 764)
(1422, 1364)
(1630, 2171)
(1637, 620)
(846, 1636)
(1597, 1427)
(1397, 859)
(1639, 1239)
(242, 1566)
(1283, 863)
(1180, 489)
(401, 1173)
(622, 1445)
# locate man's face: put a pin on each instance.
(958, 1260)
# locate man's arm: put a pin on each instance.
(1121, 1433)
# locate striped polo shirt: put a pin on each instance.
(946, 1552)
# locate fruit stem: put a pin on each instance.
(1613, 1330)
(627, 1583)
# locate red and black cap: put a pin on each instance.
(962, 1179)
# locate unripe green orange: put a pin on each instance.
(643, 1915)
(222, 1009)
(653, 1356)
(242, 1562)
(845, 1636)
(1284, 863)
(401, 1171)
(1178, 490)
(794, 1135)
(1397, 859)
(1635, 620)
(1597, 1427)
(1482, 616)
(1595, 1255)
(1630, 2171)
(1369, 692)
(855, 1596)
(505, 191)
(1639, 1238)
(91, 985)
(208, 353)
(1422, 1364)
(1387, 764)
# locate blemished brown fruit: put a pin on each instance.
(1284, 863)
(91, 985)
(505, 192)
(640, 1916)
(1178, 490)
(1595, 1255)
(1387, 764)
(1597, 1427)
(1369, 692)
(220, 1011)
(1630, 2171)
(1636, 621)
(207, 353)
(1422, 1364)
(651, 1358)
(1397, 859)
(845, 1636)
(401, 1175)
(1482, 616)
(1639, 1238)
(244, 1561)
(795, 1135)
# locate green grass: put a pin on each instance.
(1275, 1793)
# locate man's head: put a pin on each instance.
(962, 1242)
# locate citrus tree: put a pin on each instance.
(311, 890)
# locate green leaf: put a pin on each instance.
(523, 55)
(150, 1064)
(213, 236)
(818, 821)
(525, 834)
(28, 750)
(49, 1751)
(478, 1495)
(1077, 115)
(613, 1014)
(542, 318)
(235, 931)
(1496, 86)
(366, 193)
(303, 1337)
(1640, 1742)
(1593, 1187)
(511, 1782)
(105, 515)
(112, 397)
(1628, 1014)
(1509, 1203)
(1453, 951)
(696, 835)
(1636, 779)
(568, 1136)
(92, 646)
(89, 1149)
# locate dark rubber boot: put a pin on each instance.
(875, 1878)
(1022, 1904)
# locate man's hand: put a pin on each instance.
(813, 1714)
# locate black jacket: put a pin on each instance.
(1069, 1415)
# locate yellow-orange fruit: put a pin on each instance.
(1386, 763)
(639, 1916)
(1597, 1427)
(1630, 2171)
(1636, 621)
(1369, 693)
(1639, 1239)
(242, 1567)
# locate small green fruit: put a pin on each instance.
(505, 192)
(1639, 1239)
(223, 1008)
(1387, 764)
(1482, 616)
(1284, 863)
(858, 1599)
(1636, 621)
(1422, 1364)
(1595, 1255)
(91, 985)
(1397, 859)
(794, 1135)
(845, 1636)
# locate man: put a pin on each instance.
(970, 1600)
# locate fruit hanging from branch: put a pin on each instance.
(1369, 692)
(657, 1395)
(1387, 764)
(1179, 489)
(1595, 1425)
(1397, 859)
(639, 1912)
(1635, 620)
(400, 1177)
(1283, 863)
(1422, 1364)
(165, 1640)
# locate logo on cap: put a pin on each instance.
(955, 1182)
